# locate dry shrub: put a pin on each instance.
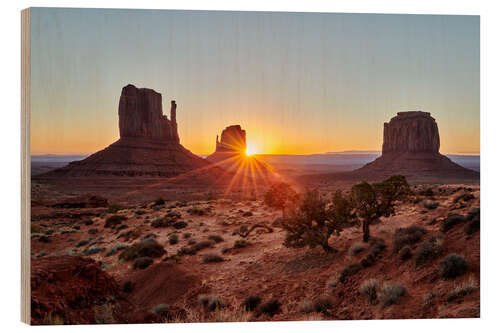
(173, 239)
(391, 293)
(241, 243)
(369, 288)
(216, 238)
(452, 265)
(114, 220)
(451, 221)
(211, 258)
(142, 262)
(251, 302)
(356, 248)
(463, 289)
(407, 236)
(348, 271)
(323, 304)
(428, 250)
(405, 253)
(269, 308)
(147, 248)
(210, 302)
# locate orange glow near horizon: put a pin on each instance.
(297, 83)
(237, 173)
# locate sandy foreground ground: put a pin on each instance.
(304, 282)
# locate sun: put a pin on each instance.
(250, 150)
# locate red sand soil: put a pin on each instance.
(265, 267)
(73, 290)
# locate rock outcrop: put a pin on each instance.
(148, 145)
(411, 147)
(140, 115)
(74, 290)
(413, 132)
(232, 144)
(230, 155)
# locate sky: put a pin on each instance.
(298, 83)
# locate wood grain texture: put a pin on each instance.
(25, 166)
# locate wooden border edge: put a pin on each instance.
(25, 166)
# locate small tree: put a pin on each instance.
(314, 220)
(279, 196)
(372, 201)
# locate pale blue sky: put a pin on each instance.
(297, 82)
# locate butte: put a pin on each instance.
(148, 146)
(411, 148)
(230, 154)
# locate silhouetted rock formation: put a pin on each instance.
(140, 113)
(233, 138)
(413, 131)
(148, 145)
(411, 147)
(232, 144)
(230, 154)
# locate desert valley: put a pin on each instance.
(145, 231)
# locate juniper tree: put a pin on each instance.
(314, 220)
(279, 196)
(376, 200)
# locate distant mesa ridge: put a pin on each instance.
(411, 147)
(149, 142)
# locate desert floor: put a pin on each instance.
(211, 264)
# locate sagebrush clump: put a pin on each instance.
(391, 293)
(211, 258)
(142, 262)
(241, 243)
(161, 310)
(451, 221)
(114, 220)
(173, 239)
(348, 271)
(407, 236)
(322, 304)
(452, 265)
(377, 245)
(210, 302)
(462, 290)
(369, 288)
(147, 248)
(251, 302)
(270, 308)
(114, 208)
(405, 253)
(215, 238)
(428, 250)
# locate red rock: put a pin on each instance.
(230, 154)
(73, 290)
(140, 115)
(413, 131)
(233, 138)
(232, 144)
(148, 145)
(411, 147)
